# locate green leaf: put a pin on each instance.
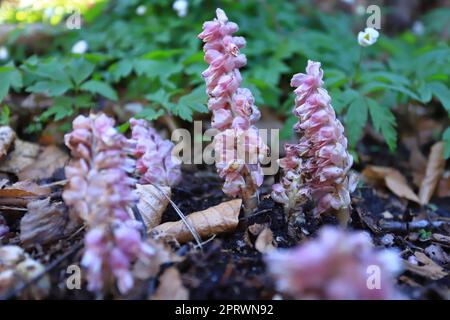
(356, 120)
(50, 88)
(424, 92)
(121, 69)
(10, 77)
(384, 122)
(194, 101)
(100, 87)
(5, 115)
(162, 54)
(150, 114)
(446, 138)
(80, 70)
(442, 92)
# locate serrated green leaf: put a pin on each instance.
(193, 101)
(356, 120)
(446, 138)
(79, 70)
(121, 69)
(100, 87)
(442, 92)
(383, 121)
(50, 88)
(150, 114)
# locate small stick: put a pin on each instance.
(183, 218)
(410, 226)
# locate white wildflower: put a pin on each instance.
(4, 53)
(141, 10)
(80, 47)
(368, 37)
(181, 7)
(418, 28)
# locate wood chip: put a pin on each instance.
(393, 180)
(218, 219)
(264, 242)
(7, 136)
(434, 171)
(152, 203)
(429, 269)
(170, 286)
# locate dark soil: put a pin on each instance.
(228, 266)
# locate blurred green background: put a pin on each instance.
(144, 57)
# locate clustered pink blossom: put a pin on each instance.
(4, 229)
(233, 108)
(337, 265)
(100, 191)
(155, 162)
(318, 166)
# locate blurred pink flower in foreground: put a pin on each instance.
(233, 110)
(318, 166)
(155, 162)
(99, 192)
(337, 265)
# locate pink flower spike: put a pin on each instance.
(155, 162)
(100, 192)
(317, 168)
(337, 264)
(233, 111)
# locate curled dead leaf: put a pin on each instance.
(21, 193)
(7, 136)
(264, 242)
(45, 222)
(392, 179)
(218, 219)
(170, 286)
(152, 203)
(434, 171)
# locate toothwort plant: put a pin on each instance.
(317, 167)
(154, 160)
(238, 146)
(100, 191)
(337, 265)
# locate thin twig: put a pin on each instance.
(183, 218)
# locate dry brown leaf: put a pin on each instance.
(264, 242)
(441, 238)
(443, 189)
(152, 203)
(23, 155)
(45, 222)
(7, 136)
(434, 171)
(170, 286)
(148, 266)
(50, 159)
(218, 219)
(429, 269)
(21, 193)
(393, 180)
(25, 188)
